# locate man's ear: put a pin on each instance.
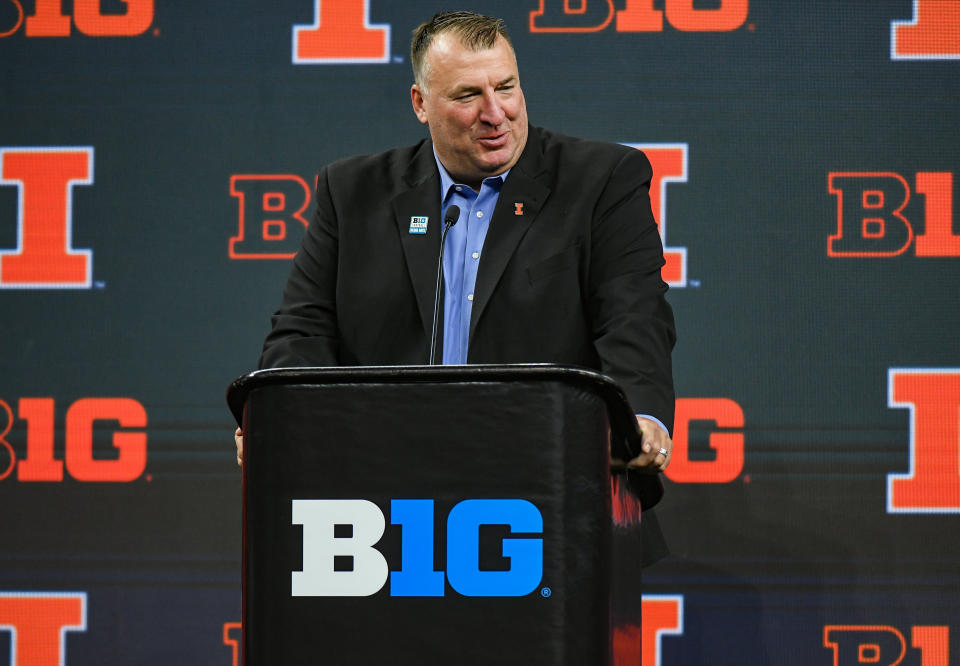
(416, 98)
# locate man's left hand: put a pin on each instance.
(656, 445)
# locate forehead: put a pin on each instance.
(450, 62)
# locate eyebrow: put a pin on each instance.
(460, 90)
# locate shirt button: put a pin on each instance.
(459, 189)
(469, 297)
(479, 213)
(475, 255)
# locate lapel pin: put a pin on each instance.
(418, 224)
(517, 208)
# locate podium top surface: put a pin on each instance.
(622, 421)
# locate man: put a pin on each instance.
(556, 256)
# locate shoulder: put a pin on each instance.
(387, 166)
(553, 151)
(566, 163)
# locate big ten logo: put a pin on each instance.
(933, 397)
(38, 623)
(94, 450)
(932, 34)
(871, 220)
(44, 257)
(271, 222)
(669, 162)
(882, 645)
(50, 20)
(638, 15)
(341, 33)
(339, 558)
(721, 461)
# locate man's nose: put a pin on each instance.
(491, 111)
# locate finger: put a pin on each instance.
(643, 461)
(653, 462)
(645, 438)
(238, 442)
(663, 456)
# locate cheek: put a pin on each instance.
(515, 108)
(455, 126)
(461, 123)
(451, 131)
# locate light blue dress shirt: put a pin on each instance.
(461, 256)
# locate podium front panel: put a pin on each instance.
(493, 500)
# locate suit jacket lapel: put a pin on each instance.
(421, 251)
(520, 201)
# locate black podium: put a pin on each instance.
(429, 515)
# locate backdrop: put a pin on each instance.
(156, 168)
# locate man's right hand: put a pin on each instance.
(238, 440)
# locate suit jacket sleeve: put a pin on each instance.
(632, 322)
(304, 328)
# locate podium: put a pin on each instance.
(430, 515)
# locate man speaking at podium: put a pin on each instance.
(554, 255)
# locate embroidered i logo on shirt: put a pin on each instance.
(418, 224)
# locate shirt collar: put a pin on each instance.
(446, 181)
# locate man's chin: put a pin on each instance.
(497, 162)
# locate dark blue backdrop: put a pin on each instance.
(811, 372)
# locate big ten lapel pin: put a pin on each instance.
(518, 208)
(418, 224)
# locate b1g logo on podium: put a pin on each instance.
(339, 558)
(871, 220)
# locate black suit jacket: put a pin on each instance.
(569, 272)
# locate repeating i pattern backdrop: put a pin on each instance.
(156, 168)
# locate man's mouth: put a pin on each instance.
(494, 141)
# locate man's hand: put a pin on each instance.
(238, 440)
(656, 445)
